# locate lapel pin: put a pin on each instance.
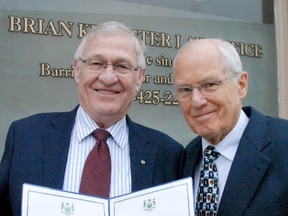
(143, 162)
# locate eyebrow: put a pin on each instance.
(206, 79)
(117, 59)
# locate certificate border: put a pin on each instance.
(32, 189)
(190, 199)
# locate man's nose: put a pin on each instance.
(108, 76)
(197, 98)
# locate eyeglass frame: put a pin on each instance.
(105, 65)
(217, 84)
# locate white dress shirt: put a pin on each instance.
(81, 144)
(227, 148)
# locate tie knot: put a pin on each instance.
(101, 134)
(211, 153)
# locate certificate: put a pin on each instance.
(43, 201)
(169, 199)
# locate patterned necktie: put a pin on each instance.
(207, 195)
(97, 168)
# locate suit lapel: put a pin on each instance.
(193, 154)
(248, 168)
(56, 141)
(142, 156)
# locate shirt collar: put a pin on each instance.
(85, 125)
(119, 132)
(228, 146)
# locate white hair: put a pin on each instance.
(230, 57)
(114, 26)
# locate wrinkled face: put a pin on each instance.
(106, 96)
(214, 116)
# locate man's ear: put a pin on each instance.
(243, 84)
(76, 70)
(140, 79)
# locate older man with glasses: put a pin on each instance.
(58, 150)
(239, 160)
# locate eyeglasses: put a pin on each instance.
(184, 92)
(99, 66)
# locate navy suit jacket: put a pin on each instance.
(257, 183)
(36, 152)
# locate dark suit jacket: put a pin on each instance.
(258, 180)
(37, 147)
